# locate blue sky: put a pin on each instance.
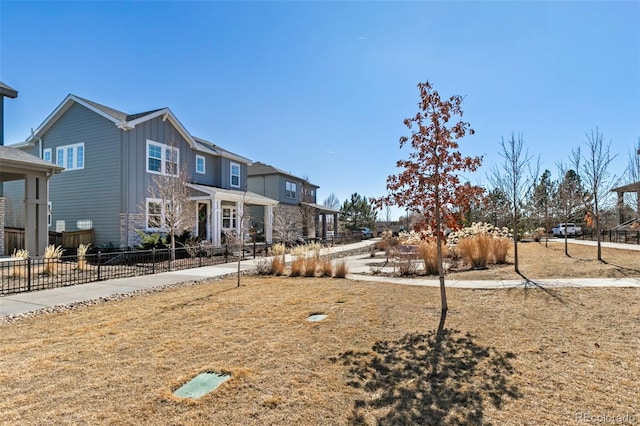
(321, 89)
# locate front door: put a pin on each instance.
(203, 220)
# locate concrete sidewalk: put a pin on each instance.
(23, 303)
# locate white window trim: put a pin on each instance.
(146, 215)
(231, 175)
(44, 155)
(233, 217)
(49, 213)
(204, 164)
(163, 160)
(64, 149)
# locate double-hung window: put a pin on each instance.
(290, 190)
(154, 215)
(200, 164)
(71, 157)
(235, 175)
(46, 155)
(162, 159)
(228, 215)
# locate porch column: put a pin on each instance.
(335, 224)
(268, 224)
(620, 207)
(2, 214)
(324, 226)
(36, 235)
(217, 221)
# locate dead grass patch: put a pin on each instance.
(508, 356)
(538, 262)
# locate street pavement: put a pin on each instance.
(359, 268)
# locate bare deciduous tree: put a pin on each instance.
(170, 208)
(569, 195)
(596, 176)
(512, 179)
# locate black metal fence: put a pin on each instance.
(22, 275)
(613, 236)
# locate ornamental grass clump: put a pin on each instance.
(82, 255)
(476, 250)
(19, 266)
(278, 266)
(297, 267)
(500, 249)
(341, 269)
(326, 268)
(428, 252)
(310, 267)
(52, 255)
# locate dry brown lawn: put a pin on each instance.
(506, 357)
(537, 262)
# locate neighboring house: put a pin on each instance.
(32, 175)
(110, 158)
(296, 197)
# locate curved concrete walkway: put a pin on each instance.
(27, 302)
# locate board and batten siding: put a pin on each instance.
(134, 148)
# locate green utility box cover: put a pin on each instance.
(201, 385)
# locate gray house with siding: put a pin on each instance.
(110, 158)
(296, 198)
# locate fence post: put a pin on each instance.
(172, 253)
(226, 252)
(153, 260)
(99, 263)
(254, 249)
(29, 273)
(200, 256)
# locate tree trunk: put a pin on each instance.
(443, 291)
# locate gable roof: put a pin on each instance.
(127, 122)
(261, 169)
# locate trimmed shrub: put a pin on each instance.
(264, 267)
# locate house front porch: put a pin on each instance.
(219, 211)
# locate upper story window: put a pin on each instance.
(71, 157)
(290, 190)
(162, 159)
(235, 175)
(200, 164)
(46, 155)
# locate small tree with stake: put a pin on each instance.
(430, 183)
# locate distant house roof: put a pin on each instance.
(632, 187)
(8, 91)
(262, 169)
(126, 121)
